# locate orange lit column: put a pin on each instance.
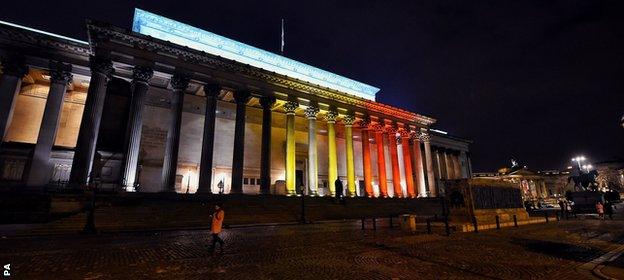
(394, 158)
(381, 163)
(368, 176)
(418, 163)
(407, 161)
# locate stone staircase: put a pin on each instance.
(161, 213)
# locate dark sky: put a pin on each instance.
(540, 81)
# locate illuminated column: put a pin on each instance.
(407, 161)
(205, 165)
(310, 113)
(348, 121)
(448, 165)
(420, 174)
(238, 157)
(141, 76)
(381, 162)
(457, 165)
(101, 72)
(13, 70)
(40, 169)
(426, 139)
(290, 108)
(366, 157)
(394, 158)
(267, 103)
(172, 146)
(331, 148)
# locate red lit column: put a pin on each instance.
(407, 161)
(394, 157)
(381, 163)
(368, 176)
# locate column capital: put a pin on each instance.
(290, 107)
(311, 111)
(377, 127)
(212, 90)
(142, 74)
(14, 66)
(348, 120)
(267, 102)
(390, 129)
(405, 133)
(242, 96)
(425, 137)
(331, 116)
(101, 65)
(365, 122)
(60, 73)
(179, 81)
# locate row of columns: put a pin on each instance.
(416, 175)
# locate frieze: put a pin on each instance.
(188, 54)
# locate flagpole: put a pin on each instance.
(282, 41)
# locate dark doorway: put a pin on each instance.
(299, 181)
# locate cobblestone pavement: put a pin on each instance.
(318, 251)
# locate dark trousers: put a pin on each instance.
(215, 239)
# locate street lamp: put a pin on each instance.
(578, 160)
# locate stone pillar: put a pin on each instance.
(170, 164)
(141, 76)
(101, 72)
(13, 70)
(290, 107)
(331, 151)
(426, 139)
(241, 98)
(394, 158)
(40, 169)
(348, 121)
(381, 162)
(448, 165)
(366, 157)
(409, 179)
(457, 165)
(267, 103)
(205, 165)
(310, 113)
(420, 174)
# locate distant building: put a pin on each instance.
(534, 185)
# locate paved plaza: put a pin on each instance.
(337, 250)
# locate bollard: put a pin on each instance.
(446, 226)
(546, 216)
(435, 216)
(363, 228)
(497, 222)
(557, 216)
(374, 224)
(474, 223)
(390, 221)
(429, 226)
(515, 221)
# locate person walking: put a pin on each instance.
(600, 210)
(608, 209)
(339, 190)
(216, 226)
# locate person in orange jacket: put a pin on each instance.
(217, 224)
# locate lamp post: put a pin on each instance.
(578, 160)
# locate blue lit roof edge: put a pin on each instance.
(44, 32)
(160, 27)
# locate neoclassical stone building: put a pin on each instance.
(171, 108)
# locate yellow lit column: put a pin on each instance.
(348, 121)
(331, 147)
(290, 108)
(311, 113)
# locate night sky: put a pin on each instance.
(539, 81)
